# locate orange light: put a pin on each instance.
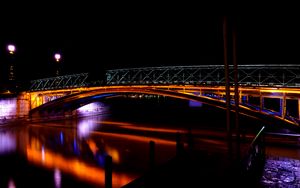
(74, 166)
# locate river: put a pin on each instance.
(71, 152)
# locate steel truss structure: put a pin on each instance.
(59, 82)
(251, 75)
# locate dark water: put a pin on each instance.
(72, 152)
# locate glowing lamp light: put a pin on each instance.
(57, 57)
(11, 48)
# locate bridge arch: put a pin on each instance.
(69, 103)
(74, 101)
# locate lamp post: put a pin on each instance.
(11, 73)
(57, 58)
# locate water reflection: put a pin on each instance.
(57, 178)
(7, 142)
(76, 167)
(77, 148)
(11, 184)
(86, 126)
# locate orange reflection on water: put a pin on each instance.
(92, 146)
(136, 138)
(115, 123)
(134, 127)
(74, 167)
(111, 151)
(153, 129)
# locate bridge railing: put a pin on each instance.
(250, 75)
(60, 82)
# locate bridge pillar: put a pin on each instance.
(298, 108)
(283, 106)
(261, 103)
(240, 97)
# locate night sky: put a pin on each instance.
(95, 38)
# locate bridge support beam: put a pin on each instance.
(200, 92)
(261, 103)
(240, 97)
(283, 106)
(298, 108)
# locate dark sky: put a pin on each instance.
(93, 38)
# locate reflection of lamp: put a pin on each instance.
(57, 58)
(7, 143)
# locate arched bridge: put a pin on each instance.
(67, 104)
(203, 83)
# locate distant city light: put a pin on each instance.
(57, 57)
(11, 48)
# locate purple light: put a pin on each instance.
(11, 183)
(92, 108)
(86, 126)
(57, 57)
(43, 153)
(57, 178)
(195, 103)
(11, 48)
(7, 142)
(7, 108)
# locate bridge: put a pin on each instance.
(62, 95)
(200, 83)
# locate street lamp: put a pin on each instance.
(11, 48)
(11, 74)
(57, 58)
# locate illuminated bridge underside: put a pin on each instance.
(69, 103)
(252, 75)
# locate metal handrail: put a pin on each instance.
(257, 136)
(255, 153)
